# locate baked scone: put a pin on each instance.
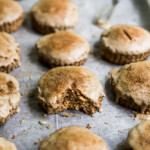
(131, 84)
(9, 52)
(6, 145)
(62, 49)
(139, 137)
(9, 96)
(69, 87)
(54, 15)
(123, 44)
(11, 15)
(73, 138)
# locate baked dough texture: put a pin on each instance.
(139, 137)
(63, 48)
(73, 138)
(131, 84)
(69, 87)
(9, 96)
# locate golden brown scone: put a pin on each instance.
(139, 137)
(9, 53)
(11, 15)
(69, 87)
(9, 96)
(123, 44)
(54, 15)
(6, 145)
(62, 49)
(131, 84)
(73, 138)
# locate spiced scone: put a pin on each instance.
(69, 87)
(9, 96)
(6, 145)
(123, 44)
(131, 86)
(62, 49)
(73, 138)
(139, 137)
(9, 53)
(11, 15)
(54, 15)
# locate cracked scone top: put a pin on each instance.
(9, 52)
(122, 44)
(73, 138)
(139, 137)
(131, 84)
(63, 48)
(69, 87)
(9, 96)
(6, 145)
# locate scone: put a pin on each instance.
(139, 137)
(123, 44)
(6, 145)
(73, 138)
(69, 87)
(11, 15)
(9, 52)
(131, 84)
(54, 15)
(9, 96)
(62, 49)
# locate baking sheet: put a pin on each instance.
(114, 122)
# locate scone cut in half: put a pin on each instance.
(131, 84)
(124, 44)
(69, 87)
(11, 15)
(63, 48)
(73, 138)
(9, 96)
(139, 137)
(54, 15)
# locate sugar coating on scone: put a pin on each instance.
(69, 87)
(73, 138)
(139, 137)
(62, 48)
(9, 96)
(131, 86)
(9, 53)
(6, 145)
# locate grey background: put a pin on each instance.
(134, 12)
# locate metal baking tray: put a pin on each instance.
(115, 121)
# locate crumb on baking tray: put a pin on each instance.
(41, 122)
(100, 110)
(89, 126)
(49, 126)
(38, 141)
(45, 115)
(92, 115)
(66, 114)
(23, 121)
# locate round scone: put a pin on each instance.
(73, 138)
(11, 15)
(139, 137)
(9, 96)
(62, 49)
(54, 15)
(6, 145)
(123, 44)
(131, 85)
(69, 87)
(9, 53)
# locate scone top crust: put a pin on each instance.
(133, 80)
(55, 82)
(66, 46)
(56, 13)
(127, 40)
(6, 145)
(71, 138)
(9, 49)
(139, 137)
(10, 10)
